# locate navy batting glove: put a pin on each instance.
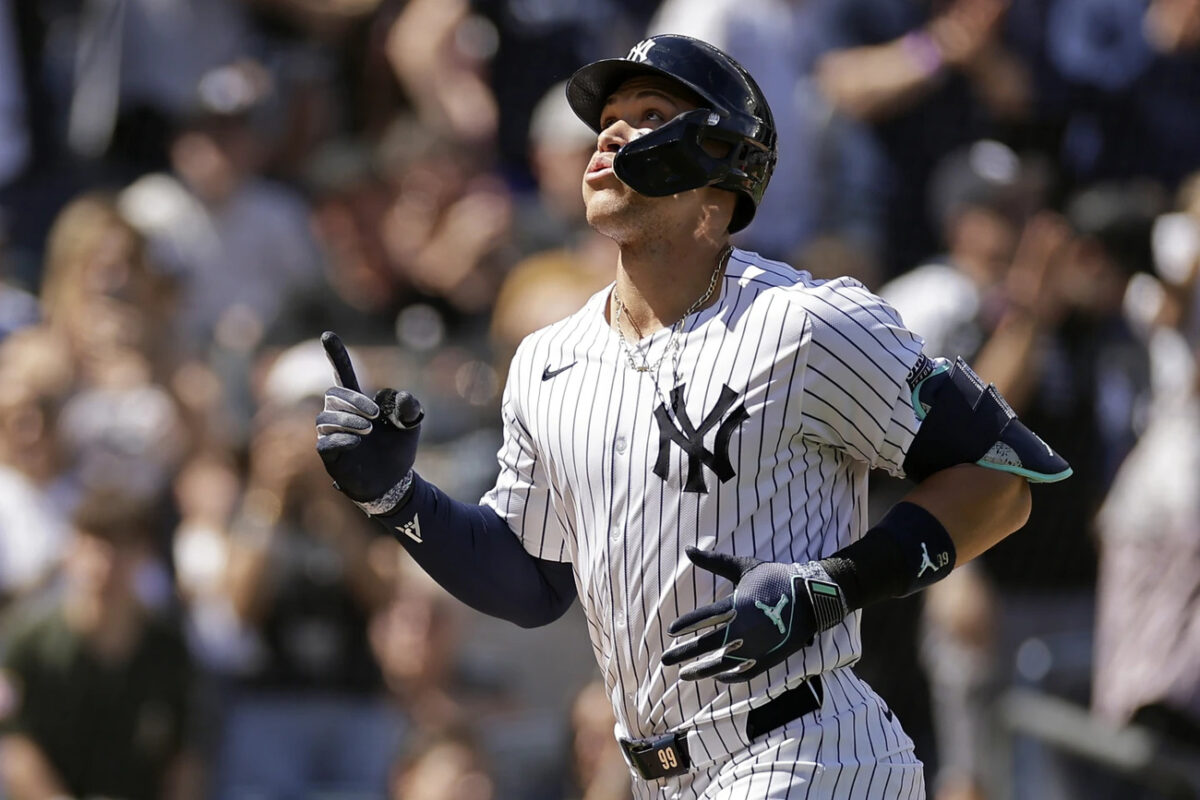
(775, 610)
(368, 445)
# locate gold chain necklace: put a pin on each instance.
(676, 329)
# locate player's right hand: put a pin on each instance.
(368, 445)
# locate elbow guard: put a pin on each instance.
(965, 422)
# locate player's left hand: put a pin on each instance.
(775, 610)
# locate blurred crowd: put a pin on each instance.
(191, 191)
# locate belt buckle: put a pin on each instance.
(659, 757)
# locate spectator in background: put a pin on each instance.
(1168, 306)
(1062, 352)
(980, 197)
(1147, 670)
(442, 73)
(207, 490)
(101, 293)
(413, 217)
(598, 769)
(121, 429)
(475, 69)
(560, 145)
(97, 689)
(350, 195)
(417, 638)
(913, 81)
(36, 378)
(18, 307)
(448, 765)
(1115, 86)
(239, 245)
(566, 261)
(1147, 666)
(310, 715)
(445, 230)
(27, 143)
(443, 678)
(16, 145)
(236, 245)
(331, 74)
(128, 70)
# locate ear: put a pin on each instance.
(719, 205)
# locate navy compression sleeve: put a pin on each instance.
(473, 554)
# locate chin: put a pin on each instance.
(615, 214)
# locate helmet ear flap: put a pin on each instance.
(670, 159)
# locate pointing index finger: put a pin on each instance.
(343, 370)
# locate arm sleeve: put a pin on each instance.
(472, 553)
(505, 557)
(855, 395)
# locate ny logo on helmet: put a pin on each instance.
(640, 51)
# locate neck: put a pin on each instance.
(658, 283)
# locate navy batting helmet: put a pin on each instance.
(672, 158)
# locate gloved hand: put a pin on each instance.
(368, 446)
(775, 610)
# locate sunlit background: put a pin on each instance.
(191, 191)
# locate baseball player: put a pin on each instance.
(688, 455)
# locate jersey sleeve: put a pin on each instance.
(855, 394)
(522, 495)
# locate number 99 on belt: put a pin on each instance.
(660, 757)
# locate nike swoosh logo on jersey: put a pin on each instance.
(548, 373)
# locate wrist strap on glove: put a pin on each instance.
(826, 596)
(389, 501)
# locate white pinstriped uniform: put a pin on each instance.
(819, 369)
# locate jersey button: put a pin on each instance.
(620, 444)
(620, 620)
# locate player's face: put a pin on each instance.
(637, 107)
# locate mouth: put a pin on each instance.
(598, 167)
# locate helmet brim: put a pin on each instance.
(590, 87)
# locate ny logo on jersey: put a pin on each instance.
(640, 51)
(690, 438)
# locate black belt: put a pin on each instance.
(667, 755)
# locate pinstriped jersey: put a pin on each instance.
(754, 436)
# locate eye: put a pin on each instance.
(607, 122)
(654, 115)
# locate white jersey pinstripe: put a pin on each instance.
(819, 369)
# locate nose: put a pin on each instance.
(616, 135)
